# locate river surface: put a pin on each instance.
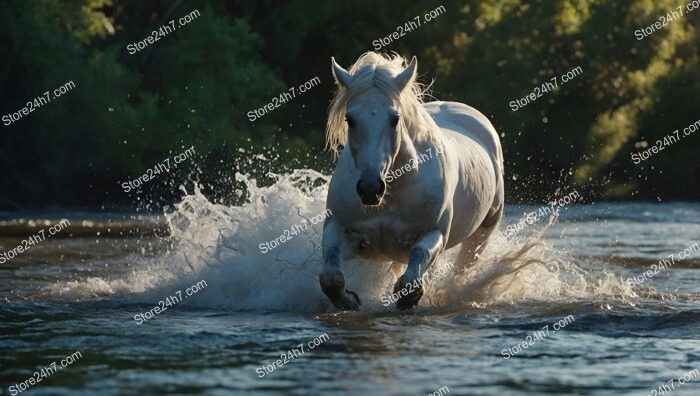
(565, 290)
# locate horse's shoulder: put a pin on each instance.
(468, 121)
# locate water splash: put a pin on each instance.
(222, 245)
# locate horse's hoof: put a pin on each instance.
(347, 301)
(410, 299)
(333, 285)
(356, 300)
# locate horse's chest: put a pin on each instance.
(383, 235)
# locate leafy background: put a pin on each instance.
(195, 86)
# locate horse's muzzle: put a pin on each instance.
(371, 192)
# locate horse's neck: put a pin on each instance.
(410, 145)
(422, 132)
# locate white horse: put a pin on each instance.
(428, 203)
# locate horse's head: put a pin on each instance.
(370, 101)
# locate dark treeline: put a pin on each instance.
(193, 87)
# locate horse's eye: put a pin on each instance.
(350, 122)
(394, 121)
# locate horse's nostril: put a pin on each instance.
(372, 191)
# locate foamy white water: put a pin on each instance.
(222, 245)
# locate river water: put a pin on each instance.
(565, 306)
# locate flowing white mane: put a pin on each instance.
(379, 71)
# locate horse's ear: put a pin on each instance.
(341, 75)
(407, 76)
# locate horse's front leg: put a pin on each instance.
(335, 249)
(409, 287)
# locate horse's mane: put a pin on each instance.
(379, 70)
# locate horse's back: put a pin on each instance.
(470, 122)
(458, 118)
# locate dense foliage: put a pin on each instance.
(194, 87)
